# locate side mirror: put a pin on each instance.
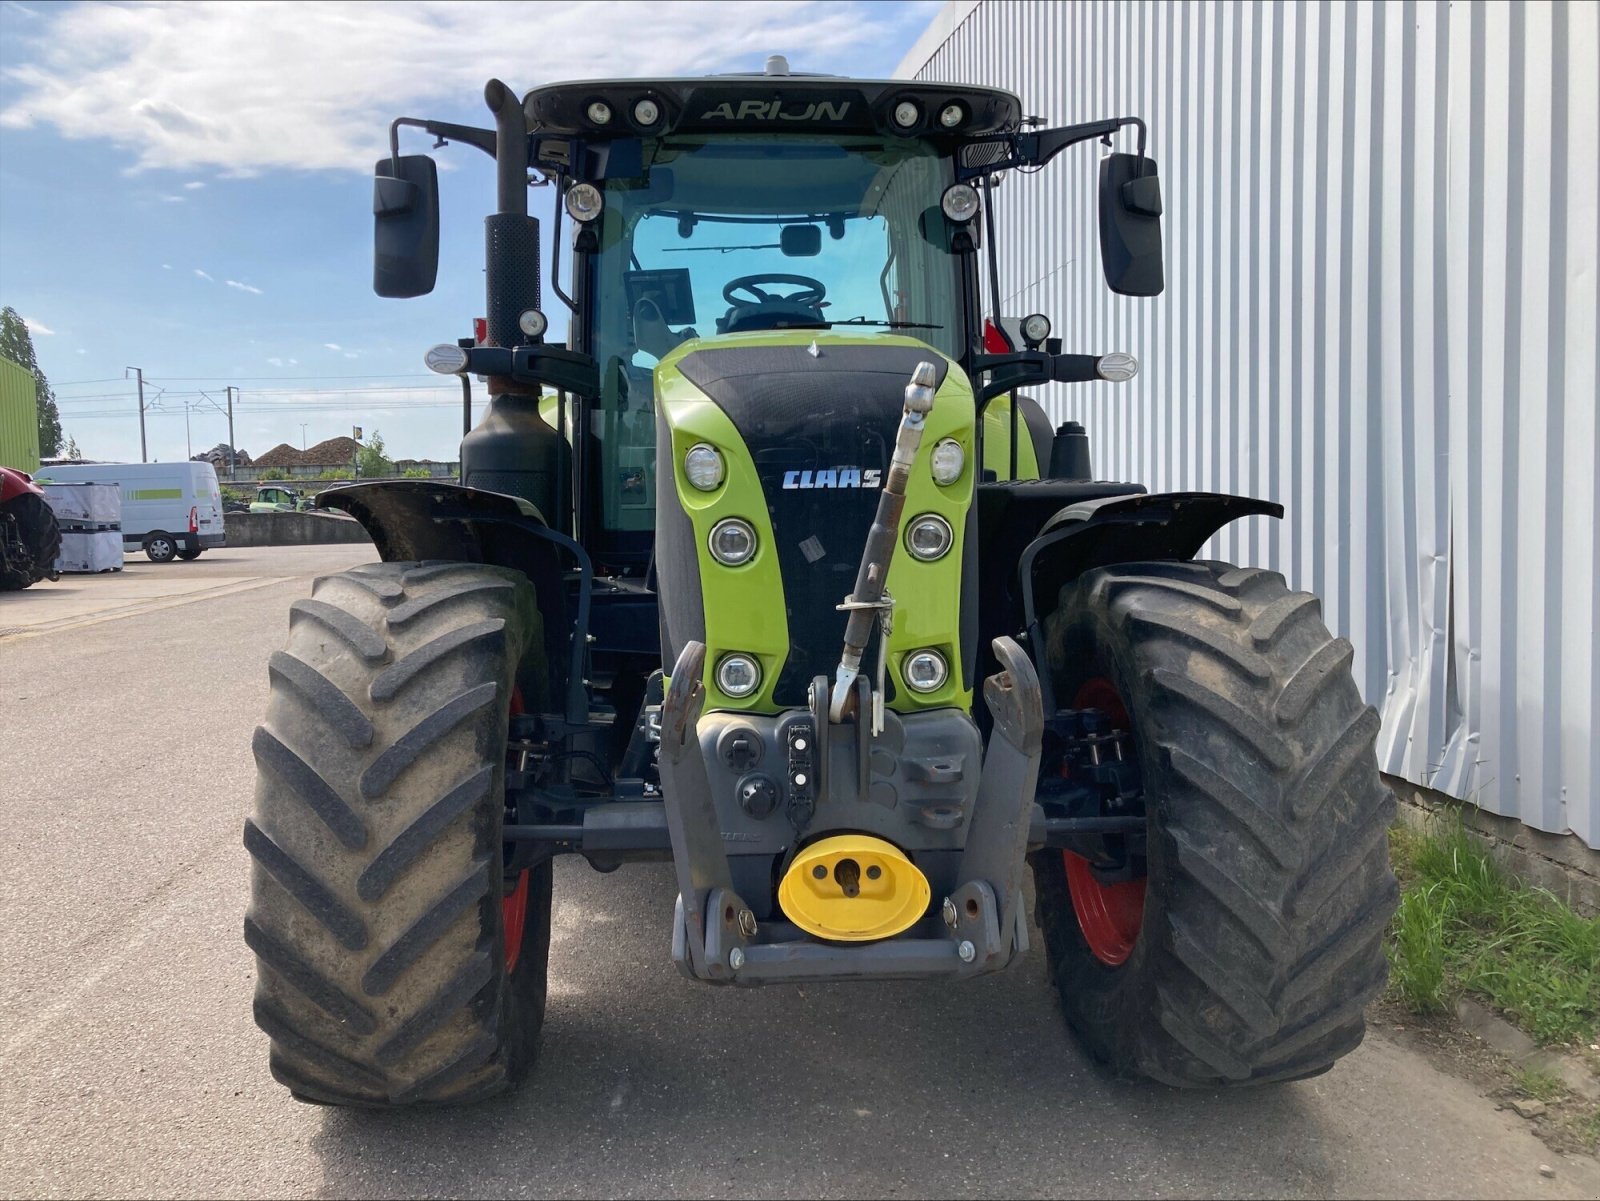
(405, 212)
(1130, 225)
(800, 241)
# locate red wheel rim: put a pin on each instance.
(1109, 915)
(514, 905)
(513, 909)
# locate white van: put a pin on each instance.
(169, 510)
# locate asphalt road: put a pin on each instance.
(129, 1064)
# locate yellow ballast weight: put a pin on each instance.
(853, 888)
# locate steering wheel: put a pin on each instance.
(813, 290)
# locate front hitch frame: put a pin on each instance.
(716, 937)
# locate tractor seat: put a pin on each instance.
(775, 314)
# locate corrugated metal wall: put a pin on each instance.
(1382, 232)
(19, 418)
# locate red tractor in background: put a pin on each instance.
(30, 537)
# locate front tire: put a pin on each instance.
(379, 901)
(1268, 886)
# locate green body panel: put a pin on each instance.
(19, 418)
(549, 412)
(156, 494)
(744, 608)
(997, 442)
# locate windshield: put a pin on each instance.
(736, 232)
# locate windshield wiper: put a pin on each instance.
(886, 324)
(719, 249)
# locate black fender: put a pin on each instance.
(412, 520)
(1119, 529)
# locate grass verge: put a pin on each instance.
(1464, 925)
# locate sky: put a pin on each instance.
(186, 188)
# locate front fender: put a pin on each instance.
(1120, 529)
(414, 520)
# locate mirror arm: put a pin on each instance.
(469, 135)
(1037, 149)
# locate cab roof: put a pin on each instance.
(771, 103)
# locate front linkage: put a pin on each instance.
(716, 936)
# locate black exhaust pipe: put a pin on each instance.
(511, 236)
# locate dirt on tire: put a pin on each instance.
(1269, 886)
(377, 875)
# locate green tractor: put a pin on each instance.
(770, 570)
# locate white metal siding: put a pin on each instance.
(1382, 235)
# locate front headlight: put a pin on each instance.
(928, 537)
(702, 464)
(732, 542)
(925, 671)
(947, 461)
(738, 675)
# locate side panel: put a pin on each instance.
(997, 442)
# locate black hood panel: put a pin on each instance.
(828, 419)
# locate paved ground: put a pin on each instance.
(129, 1065)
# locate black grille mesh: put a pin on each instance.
(799, 413)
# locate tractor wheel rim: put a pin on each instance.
(1110, 915)
(513, 912)
(514, 904)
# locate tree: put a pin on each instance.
(371, 459)
(16, 344)
(72, 452)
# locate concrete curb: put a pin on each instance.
(1524, 1052)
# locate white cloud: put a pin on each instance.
(194, 185)
(204, 276)
(248, 87)
(81, 350)
(250, 288)
(332, 346)
(35, 326)
(275, 361)
(166, 266)
(174, 199)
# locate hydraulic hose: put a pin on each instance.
(866, 599)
